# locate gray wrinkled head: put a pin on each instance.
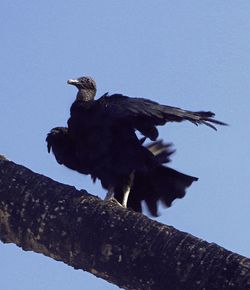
(86, 83)
(86, 88)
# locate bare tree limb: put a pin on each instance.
(121, 246)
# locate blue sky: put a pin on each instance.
(192, 54)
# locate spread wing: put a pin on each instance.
(144, 115)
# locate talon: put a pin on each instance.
(114, 200)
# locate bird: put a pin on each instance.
(162, 184)
(103, 137)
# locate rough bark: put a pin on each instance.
(121, 246)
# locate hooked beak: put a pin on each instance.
(73, 82)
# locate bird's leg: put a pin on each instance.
(127, 190)
(110, 193)
(125, 196)
(110, 196)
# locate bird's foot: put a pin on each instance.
(114, 200)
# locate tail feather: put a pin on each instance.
(162, 184)
(161, 150)
(169, 184)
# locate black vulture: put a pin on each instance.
(103, 136)
(103, 132)
(160, 184)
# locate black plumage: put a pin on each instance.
(160, 184)
(103, 142)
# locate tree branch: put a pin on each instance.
(121, 246)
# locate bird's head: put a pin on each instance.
(86, 83)
(86, 87)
